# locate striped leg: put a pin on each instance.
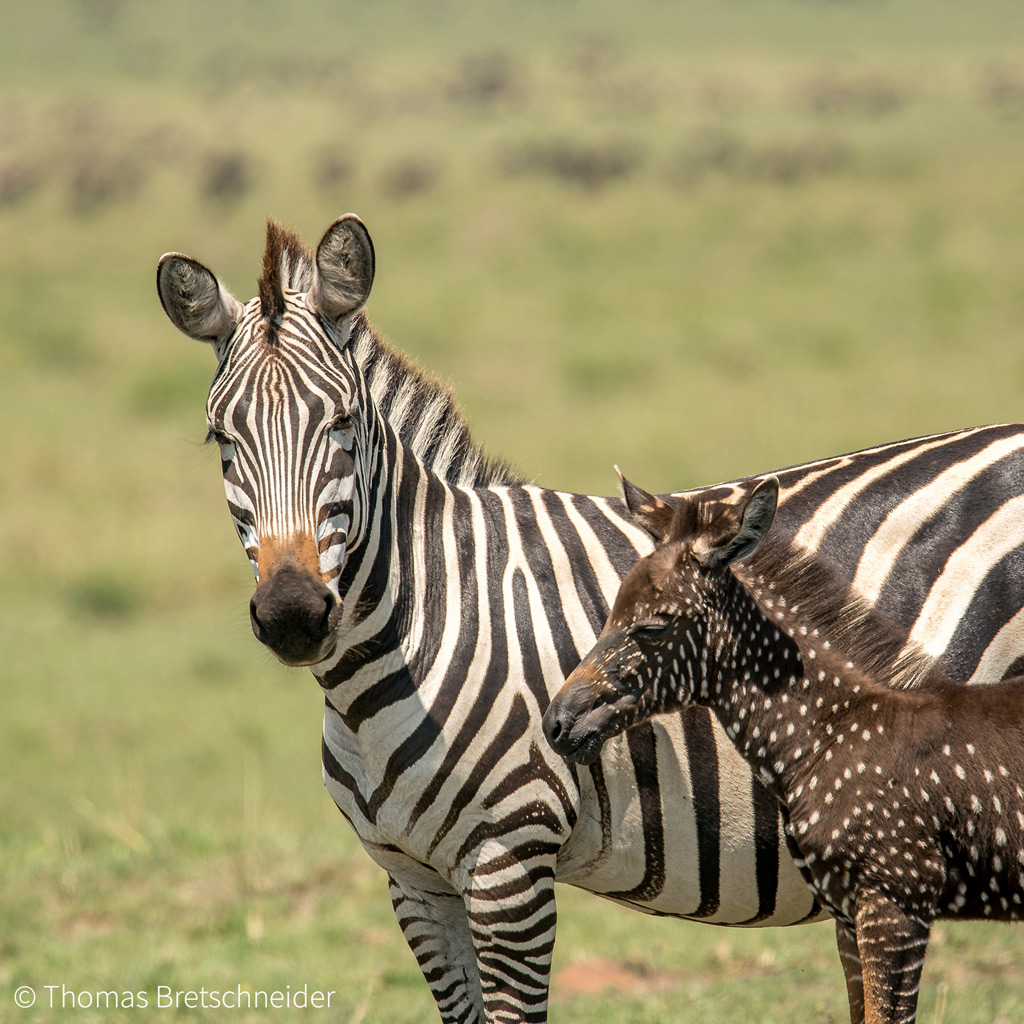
(849, 957)
(892, 946)
(437, 930)
(512, 918)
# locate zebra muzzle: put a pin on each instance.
(295, 615)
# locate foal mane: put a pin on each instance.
(419, 407)
(799, 590)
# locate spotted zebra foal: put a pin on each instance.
(901, 806)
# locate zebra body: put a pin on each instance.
(440, 600)
(600, 826)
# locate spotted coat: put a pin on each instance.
(901, 806)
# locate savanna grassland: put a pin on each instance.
(697, 240)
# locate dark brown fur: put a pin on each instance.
(902, 806)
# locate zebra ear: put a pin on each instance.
(344, 269)
(749, 528)
(194, 300)
(647, 510)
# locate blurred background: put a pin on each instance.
(697, 240)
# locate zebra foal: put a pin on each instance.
(901, 806)
(439, 600)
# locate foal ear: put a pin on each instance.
(344, 269)
(194, 300)
(647, 510)
(749, 530)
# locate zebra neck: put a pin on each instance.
(396, 582)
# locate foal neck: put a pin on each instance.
(784, 695)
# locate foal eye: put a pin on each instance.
(341, 422)
(648, 629)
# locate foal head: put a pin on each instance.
(658, 648)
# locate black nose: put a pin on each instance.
(553, 725)
(293, 614)
(562, 715)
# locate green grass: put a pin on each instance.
(696, 240)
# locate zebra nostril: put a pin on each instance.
(254, 618)
(325, 619)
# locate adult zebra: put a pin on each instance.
(440, 600)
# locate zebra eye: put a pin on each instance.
(343, 429)
(218, 437)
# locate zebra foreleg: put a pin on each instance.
(436, 928)
(892, 945)
(512, 920)
(849, 957)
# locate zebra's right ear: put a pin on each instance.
(648, 510)
(194, 300)
(344, 269)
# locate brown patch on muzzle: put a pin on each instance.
(292, 610)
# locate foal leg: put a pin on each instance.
(849, 957)
(892, 945)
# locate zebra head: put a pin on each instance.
(285, 409)
(658, 649)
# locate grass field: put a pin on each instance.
(696, 240)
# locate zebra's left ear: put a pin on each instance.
(344, 269)
(751, 525)
(648, 510)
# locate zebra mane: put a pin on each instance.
(797, 589)
(419, 407)
(287, 264)
(424, 414)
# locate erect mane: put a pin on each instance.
(424, 414)
(287, 264)
(797, 589)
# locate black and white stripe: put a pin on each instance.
(465, 595)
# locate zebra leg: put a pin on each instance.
(849, 957)
(512, 916)
(436, 928)
(892, 945)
